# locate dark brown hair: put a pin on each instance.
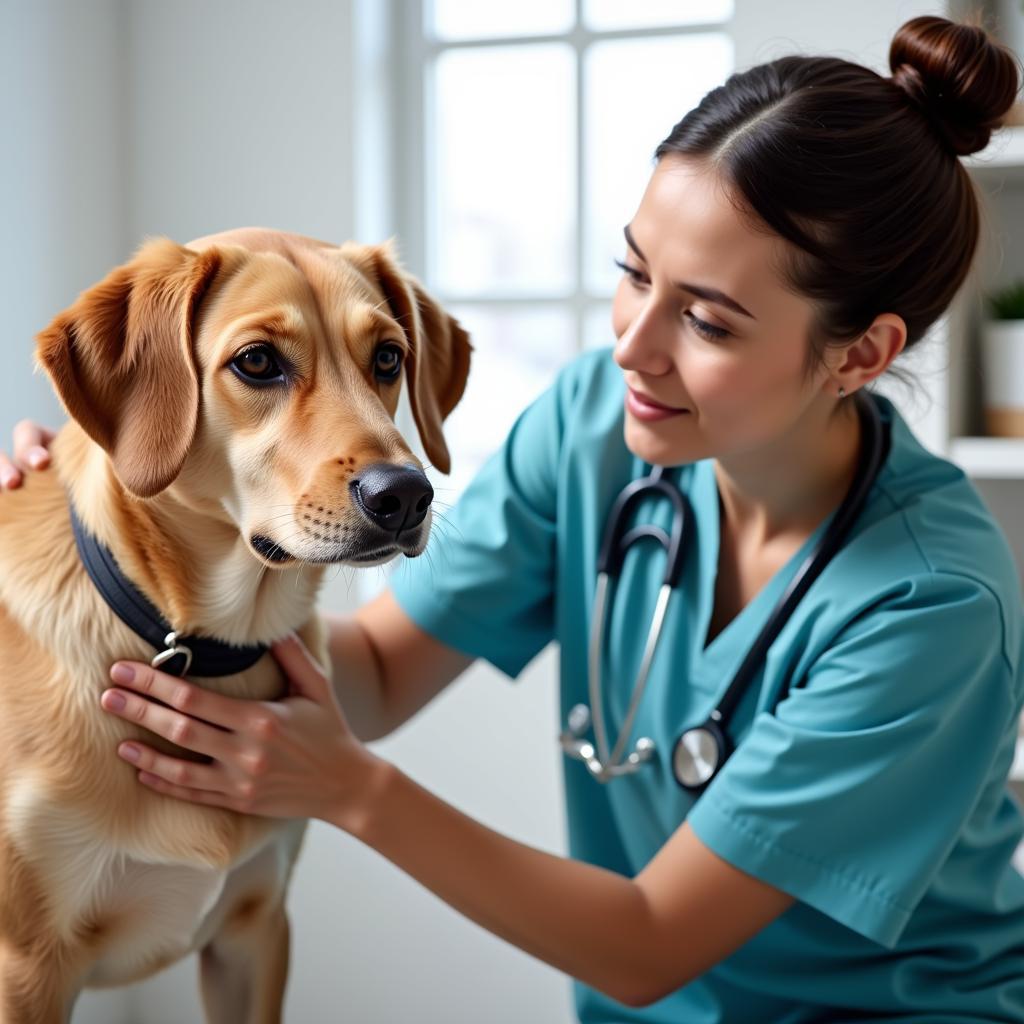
(861, 172)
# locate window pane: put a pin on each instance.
(488, 19)
(611, 14)
(597, 326)
(502, 162)
(516, 355)
(636, 90)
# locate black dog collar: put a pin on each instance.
(178, 655)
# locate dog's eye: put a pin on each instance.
(387, 361)
(258, 365)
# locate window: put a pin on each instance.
(531, 133)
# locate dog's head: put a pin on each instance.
(256, 374)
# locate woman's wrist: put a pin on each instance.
(361, 803)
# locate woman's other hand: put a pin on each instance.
(31, 451)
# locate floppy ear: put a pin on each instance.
(121, 361)
(438, 361)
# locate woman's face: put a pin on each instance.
(725, 371)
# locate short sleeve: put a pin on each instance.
(485, 585)
(851, 795)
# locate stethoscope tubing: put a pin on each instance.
(653, 634)
(701, 750)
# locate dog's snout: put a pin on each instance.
(393, 497)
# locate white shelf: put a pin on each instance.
(1000, 164)
(989, 458)
(1003, 155)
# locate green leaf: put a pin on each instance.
(1007, 303)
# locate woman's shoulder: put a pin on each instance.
(927, 526)
(589, 392)
(941, 511)
(593, 381)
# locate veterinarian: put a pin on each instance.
(780, 809)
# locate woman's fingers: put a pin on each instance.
(186, 732)
(31, 445)
(31, 451)
(185, 722)
(184, 775)
(10, 476)
(198, 796)
(197, 720)
(193, 701)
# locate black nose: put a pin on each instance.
(393, 497)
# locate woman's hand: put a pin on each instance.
(31, 451)
(293, 758)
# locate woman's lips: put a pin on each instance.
(647, 409)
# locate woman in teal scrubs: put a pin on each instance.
(804, 225)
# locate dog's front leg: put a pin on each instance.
(243, 968)
(34, 989)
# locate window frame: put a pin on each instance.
(412, 105)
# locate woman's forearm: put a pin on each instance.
(384, 667)
(356, 675)
(590, 923)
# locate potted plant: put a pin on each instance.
(1002, 352)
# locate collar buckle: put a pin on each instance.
(173, 650)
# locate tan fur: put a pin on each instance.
(174, 464)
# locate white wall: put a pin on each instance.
(240, 114)
(60, 182)
(61, 176)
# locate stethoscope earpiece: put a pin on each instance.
(603, 769)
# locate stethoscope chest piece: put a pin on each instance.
(698, 754)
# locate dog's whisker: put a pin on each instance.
(444, 523)
(428, 555)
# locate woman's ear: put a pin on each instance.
(122, 363)
(869, 356)
(439, 350)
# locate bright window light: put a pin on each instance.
(636, 90)
(487, 19)
(614, 14)
(504, 176)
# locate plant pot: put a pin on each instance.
(1002, 354)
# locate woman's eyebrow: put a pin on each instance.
(708, 294)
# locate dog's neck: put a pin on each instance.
(191, 563)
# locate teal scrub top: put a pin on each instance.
(875, 793)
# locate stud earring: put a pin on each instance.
(842, 391)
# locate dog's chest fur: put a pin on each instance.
(129, 878)
(137, 911)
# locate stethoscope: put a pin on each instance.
(700, 751)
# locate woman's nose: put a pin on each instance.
(645, 344)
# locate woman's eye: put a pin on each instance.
(258, 365)
(707, 330)
(387, 361)
(636, 276)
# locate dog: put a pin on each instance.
(231, 433)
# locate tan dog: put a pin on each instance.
(231, 433)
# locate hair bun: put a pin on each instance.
(958, 76)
